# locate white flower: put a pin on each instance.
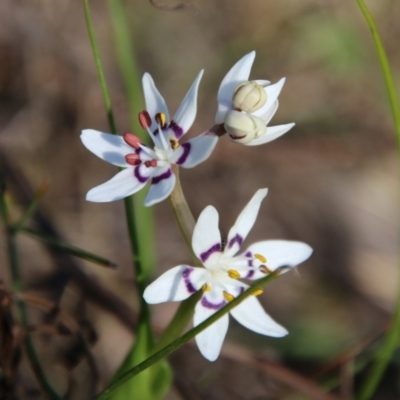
(142, 163)
(219, 280)
(238, 94)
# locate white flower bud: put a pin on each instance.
(243, 128)
(249, 96)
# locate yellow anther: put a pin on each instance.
(228, 296)
(174, 144)
(161, 119)
(206, 288)
(233, 274)
(260, 258)
(258, 292)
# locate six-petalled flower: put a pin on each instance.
(220, 280)
(143, 163)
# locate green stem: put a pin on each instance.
(17, 288)
(391, 341)
(185, 338)
(68, 248)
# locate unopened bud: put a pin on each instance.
(243, 128)
(249, 97)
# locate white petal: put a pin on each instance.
(280, 253)
(186, 113)
(273, 132)
(155, 103)
(121, 185)
(176, 284)
(206, 240)
(251, 314)
(270, 113)
(211, 339)
(273, 92)
(162, 184)
(244, 223)
(195, 151)
(110, 148)
(238, 73)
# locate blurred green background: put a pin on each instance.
(333, 178)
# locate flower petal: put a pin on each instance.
(211, 339)
(155, 103)
(121, 185)
(273, 132)
(194, 151)
(251, 314)
(110, 148)
(244, 223)
(206, 240)
(186, 112)
(273, 92)
(279, 253)
(238, 73)
(270, 113)
(161, 187)
(176, 284)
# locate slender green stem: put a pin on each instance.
(68, 248)
(99, 67)
(17, 288)
(391, 341)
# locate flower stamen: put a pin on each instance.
(233, 274)
(150, 163)
(264, 269)
(132, 140)
(261, 258)
(174, 143)
(161, 119)
(144, 119)
(206, 288)
(133, 159)
(228, 296)
(258, 292)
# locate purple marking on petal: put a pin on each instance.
(159, 178)
(241, 290)
(249, 274)
(186, 278)
(208, 304)
(140, 178)
(178, 131)
(249, 262)
(186, 150)
(236, 239)
(204, 256)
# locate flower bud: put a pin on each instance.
(243, 128)
(249, 96)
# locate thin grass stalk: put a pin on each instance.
(391, 341)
